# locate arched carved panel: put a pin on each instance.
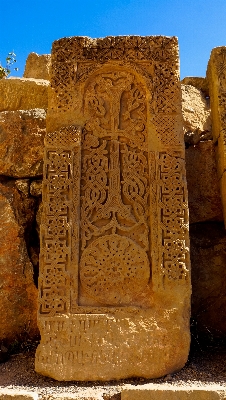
(115, 189)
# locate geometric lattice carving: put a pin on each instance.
(170, 243)
(174, 218)
(61, 168)
(114, 282)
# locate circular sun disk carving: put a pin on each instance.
(114, 269)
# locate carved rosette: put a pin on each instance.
(113, 269)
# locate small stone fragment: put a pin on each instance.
(198, 82)
(196, 114)
(38, 66)
(36, 188)
(23, 94)
(22, 142)
(23, 185)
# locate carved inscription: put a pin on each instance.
(88, 340)
(114, 263)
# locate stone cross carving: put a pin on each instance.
(114, 279)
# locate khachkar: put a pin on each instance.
(216, 75)
(114, 281)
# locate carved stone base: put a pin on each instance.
(108, 347)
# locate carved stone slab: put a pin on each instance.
(114, 276)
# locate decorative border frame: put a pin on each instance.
(156, 59)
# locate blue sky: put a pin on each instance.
(33, 25)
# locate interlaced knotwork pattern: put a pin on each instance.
(170, 234)
(61, 165)
(75, 59)
(115, 177)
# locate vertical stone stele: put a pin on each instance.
(114, 281)
(216, 75)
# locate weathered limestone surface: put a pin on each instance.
(114, 277)
(38, 66)
(23, 94)
(196, 115)
(204, 198)
(18, 294)
(22, 142)
(174, 393)
(198, 82)
(217, 86)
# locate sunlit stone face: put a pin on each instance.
(114, 282)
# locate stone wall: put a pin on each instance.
(23, 106)
(207, 233)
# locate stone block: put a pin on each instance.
(23, 94)
(198, 83)
(174, 393)
(196, 113)
(204, 197)
(18, 294)
(217, 86)
(37, 66)
(22, 142)
(114, 278)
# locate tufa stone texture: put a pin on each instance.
(23, 94)
(114, 283)
(18, 294)
(38, 66)
(22, 142)
(198, 83)
(196, 115)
